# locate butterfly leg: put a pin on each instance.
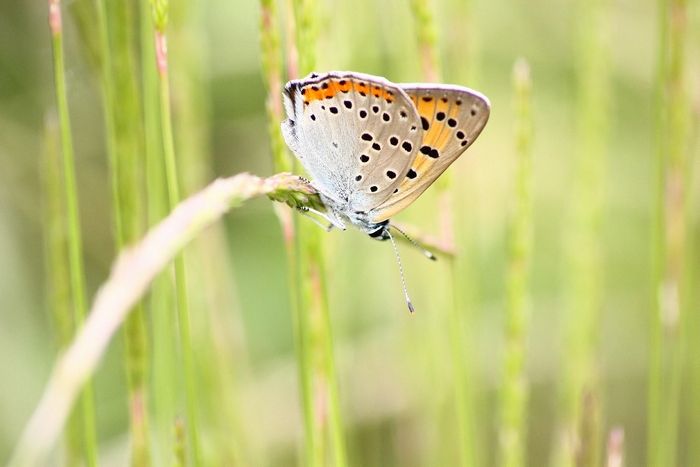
(333, 223)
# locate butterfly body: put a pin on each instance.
(372, 146)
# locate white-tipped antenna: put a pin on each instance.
(403, 282)
(423, 250)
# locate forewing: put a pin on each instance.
(451, 119)
(356, 135)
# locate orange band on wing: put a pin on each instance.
(330, 88)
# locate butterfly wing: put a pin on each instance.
(451, 118)
(355, 134)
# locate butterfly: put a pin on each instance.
(371, 146)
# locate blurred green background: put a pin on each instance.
(395, 370)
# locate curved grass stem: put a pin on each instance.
(131, 275)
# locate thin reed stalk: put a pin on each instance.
(669, 236)
(160, 15)
(126, 166)
(75, 244)
(271, 57)
(427, 38)
(218, 331)
(692, 327)
(180, 445)
(57, 265)
(272, 66)
(160, 302)
(461, 42)
(426, 35)
(514, 393)
(584, 243)
(324, 434)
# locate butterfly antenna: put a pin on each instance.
(403, 282)
(423, 250)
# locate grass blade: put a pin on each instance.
(58, 268)
(75, 244)
(173, 187)
(669, 237)
(126, 137)
(514, 395)
(582, 446)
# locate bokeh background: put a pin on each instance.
(396, 373)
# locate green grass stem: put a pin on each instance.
(271, 56)
(461, 367)
(514, 393)
(460, 38)
(75, 243)
(305, 36)
(426, 34)
(180, 445)
(427, 39)
(584, 239)
(272, 67)
(692, 327)
(670, 298)
(324, 433)
(57, 265)
(126, 134)
(160, 303)
(172, 182)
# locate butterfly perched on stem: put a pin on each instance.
(371, 146)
